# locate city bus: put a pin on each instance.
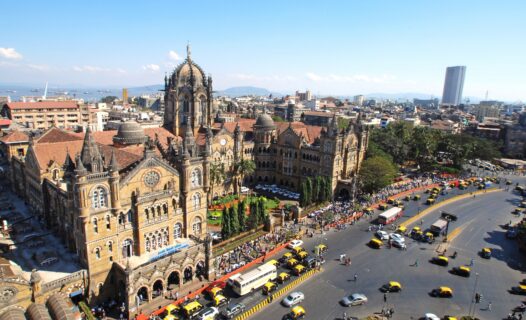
(389, 216)
(254, 279)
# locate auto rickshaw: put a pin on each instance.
(273, 262)
(415, 231)
(485, 253)
(296, 313)
(375, 243)
(390, 201)
(319, 249)
(392, 286)
(220, 300)
(450, 318)
(302, 255)
(440, 260)
(282, 277)
(517, 211)
(297, 250)
(383, 206)
(170, 312)
(416, 197)
(407, 198)
(428, 237)
(428, 190)
(215, 291)
(437, 189)
(443, 292)
(399, 204)
(463, 271)
(286, 257)
(430, 201)
(269, 287)
(299, 269)
(433, 196)
(401, 230)
(520, 289)
(368, 210)
(291, 263)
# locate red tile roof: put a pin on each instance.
(5, 122)
(43, 105)
(309, 132)
(15, 136)
(245, 125)
(55, 134)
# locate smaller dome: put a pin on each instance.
(265, 120)
(129, 132)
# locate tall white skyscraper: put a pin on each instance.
(453, 85)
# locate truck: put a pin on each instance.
(438, 227)
(389, 216)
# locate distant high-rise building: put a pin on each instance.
(304, 96)
(358, 100)
(453, 85)
(124, 96)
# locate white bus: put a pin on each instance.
(390, 215)
(253, 279)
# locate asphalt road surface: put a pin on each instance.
(479, 218)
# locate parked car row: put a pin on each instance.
(272, 188)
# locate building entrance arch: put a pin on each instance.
(157, 289)
(173, 280)
(142, 295)
(188, 274)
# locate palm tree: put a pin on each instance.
(217, 173)
(243, 168)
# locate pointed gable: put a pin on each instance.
(55, 134)
(15, 137)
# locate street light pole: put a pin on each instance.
(473, 302)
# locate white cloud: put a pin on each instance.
(91, 69)
(151, 67)
(174, 55)
(275, 77)
(39, 67)
(384, 78)
(10, 53)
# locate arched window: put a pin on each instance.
(147, 244)
(165, 209)
(159, 240)
(55, 174)
(197, 201)
(178, 229)
(110, 246)
(165, 238)
(129, 216)
(202, 103)
(97, 253)
(99, 198)
(196, 178)
(196, 226)
(147, 212)
(95, 225)
(108, 222)
(122, 218)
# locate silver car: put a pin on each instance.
(292, 299)
(354, 299)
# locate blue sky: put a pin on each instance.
(329, 47)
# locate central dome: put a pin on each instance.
(264, 120)
(129, 132)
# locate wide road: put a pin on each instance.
(479, 219)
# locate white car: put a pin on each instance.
(431, 316)
(292, 299)
(244, 189)
(397, 237)
(354, 299)
(382, 235)
(209, 314)
(295, 243)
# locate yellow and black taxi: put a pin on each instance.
(291, 263)
(416, 233)
(220, 300)
(463, 271)
(269, 287)
(391, 201)
(321, 248)
(298, 312)
(433, 195)
(449, 318)
(191, 309)
(428, 191)
(286, 257)
(282, 277)
(407, 198)
(375, 243)
(399, 204)
(368, 210)
(520, 289)
(440, 260)
(428, 237)
(273, 262)
(442, 292)
(299, 269)
(297, 250)
(401, 230)
(383, 206)
(214, 292)
(485, 253)
(517, 210)
(302, 255)
(416, 197)
(170, 312)
(392, 286)
(430, 200)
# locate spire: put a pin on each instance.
(114, 166)
(69, 165)
(80, 170)
(189, 140)
(90, 154)
(237, 129)
(188, 51)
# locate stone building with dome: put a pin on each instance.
(130, 203)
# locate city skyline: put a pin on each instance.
(329, 48)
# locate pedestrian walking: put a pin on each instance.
(385, 297)
(489, 306)
(355, 277)
(344, 315)
(416, 263)
(472, 263)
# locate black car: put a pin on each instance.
(232, 310)
(310, 262)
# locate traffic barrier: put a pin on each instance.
(277, 294)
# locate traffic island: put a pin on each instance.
(277, 295)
